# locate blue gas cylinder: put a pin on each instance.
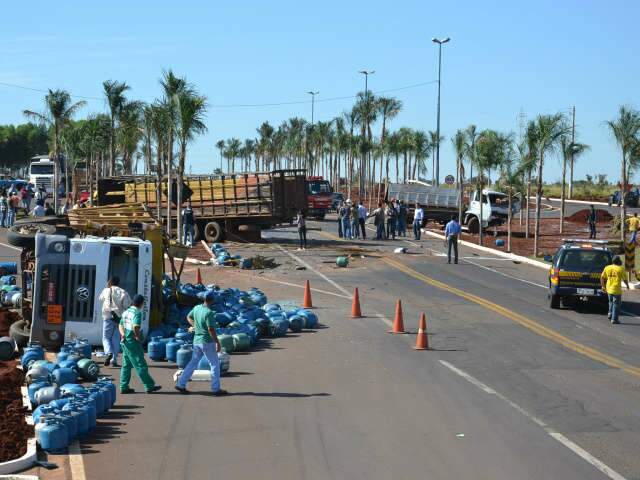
(296, 323)
(69, 363)
(50, 366)
(84, 400)
(32, 352)
(47, 394)
(106, 394)
(70, 389)
(156, 349)
(71, 422)
(8, 268)
(108, 383)
(83, 347)
(62, 376)
(184, 355)
(42, 410)
(310, 318)
(81, 414)
(99, 397)
(53, 436)
(172, 349)
(59, 402)
(88, 369)
(34, 387)
(183, 335)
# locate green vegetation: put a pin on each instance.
(18, 143)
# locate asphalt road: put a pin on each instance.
(510, 389)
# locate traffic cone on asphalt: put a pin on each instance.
(198, 277)
(355, 306)
(422, 342)
(306, 302)
(398, 322)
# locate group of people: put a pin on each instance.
(16, 199)
(351, 220)
(122, 330)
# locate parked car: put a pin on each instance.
(631, 199)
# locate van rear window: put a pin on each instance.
(589, 261)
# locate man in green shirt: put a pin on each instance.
(205, 342)
(132, 352)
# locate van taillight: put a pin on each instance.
(555, 275)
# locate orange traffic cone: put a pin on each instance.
(198, 277)
(355, 306)
(422, 342)
(398, 322)
(306, 302)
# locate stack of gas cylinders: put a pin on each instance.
(10, 293)
(64, 408)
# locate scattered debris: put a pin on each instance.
(400, 250)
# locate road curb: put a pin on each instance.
(582, 202)
(510, 256)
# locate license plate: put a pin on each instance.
(586, 291)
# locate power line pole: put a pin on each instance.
(439, 42)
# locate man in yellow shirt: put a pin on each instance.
(634, 223)
(611, 281)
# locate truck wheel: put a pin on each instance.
(197, 232)
(554, 301)
(20, 332)
(473, 225)
(213, 232)
(24, 235)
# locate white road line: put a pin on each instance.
(384, 319)
(301, 286)
(575, 448)
(10, 246)
(76, 464)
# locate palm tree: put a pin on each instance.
(472, 136)
(191, 112)
(459, 142)
(59, 110)
(114, 91)
(172, 87)
(570, 150)
(130, 132)
(220, 147)
(531, 144)
(626, 131)
(388, 108)
(421, 150)
(510, 177)
(435, 141)
(549, 129)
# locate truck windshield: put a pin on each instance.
(124, 264)
(498, 200)
(317, 187)
(591, 261)
(37, 169)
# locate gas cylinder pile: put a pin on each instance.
(10, 293)
(64, 408)
(242, 318)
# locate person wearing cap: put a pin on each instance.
(205, 342)
(132, 352)
(115, 301)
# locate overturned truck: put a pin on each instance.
(225, 206)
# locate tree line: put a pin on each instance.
(18, 143)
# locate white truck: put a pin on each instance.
(42, 173)
(439, 204)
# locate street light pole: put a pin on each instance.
(366, 74)
(439, 42)
(313, 98)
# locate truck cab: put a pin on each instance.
(69, 275)
(42, 173)
(495, 209)
(319, 194)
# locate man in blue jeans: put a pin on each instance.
(418, 217)
(451, 232)
(205, 342)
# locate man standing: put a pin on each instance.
(378, 221)
(132, 352)
(4, 209)
(115, 301)
(355, 221)
(362, 217)
(611, 281)
(205, 342)
(418, 218)
(402, 219)
(592, 220)
(346, 219)
(634, 223)
(41, 195)
(14, 203)
(392, 215)
(188, 225)
(451, 232)
(340, 212)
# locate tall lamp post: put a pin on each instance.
(439, 42)
(366, 74)
(313, 100)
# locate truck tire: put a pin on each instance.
(20, 331)
(554, 301)
(213, 232)
(473, 225)
(24, 234)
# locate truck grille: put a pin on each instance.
(71, 286)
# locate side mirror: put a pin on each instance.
(548, 258)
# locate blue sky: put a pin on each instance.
(504, 57)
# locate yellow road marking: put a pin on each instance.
(532, 325)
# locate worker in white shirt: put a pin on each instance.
(362, 217)
(418, 218)
(115, 301)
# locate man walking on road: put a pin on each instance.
(378, 221)
(634, 223)
(115, 301)
(418, 217)
(132, 352)
(611, 281)
(451, 233)
(188, 225)
(392, 215)
(402, 219)
(362, 217)
(205, 342)
(592, 219)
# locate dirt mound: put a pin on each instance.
(14, 430)
(581, 216)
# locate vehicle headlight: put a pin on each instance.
(58, 247)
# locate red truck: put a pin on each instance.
(319, 194)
